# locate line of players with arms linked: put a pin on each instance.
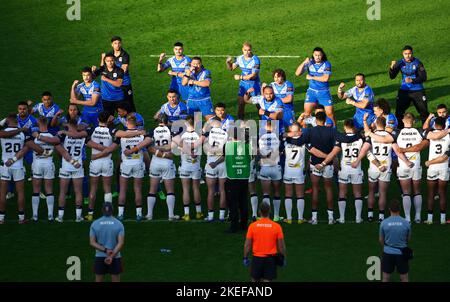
(280, 146)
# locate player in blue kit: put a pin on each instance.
(89, 91)
(47, 108)
(269, 108)
(284, 90)
(174, 108)
(318, 70)
(249, 84)
(178, 64)
(361, 96)
(198, 79)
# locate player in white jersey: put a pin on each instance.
(101, 164)
(294, 175)
(438, 173)
(43, 168)
(215, 166)
(12, 168)
(161, 167)
(410, 142)
(270, 169)
(72, 142)
(132, 165)
(350, 172)
(190, 171)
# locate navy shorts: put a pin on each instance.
(263, 268)
(101, 268)
(390, 262)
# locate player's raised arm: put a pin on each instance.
(302, 67)
(230, 62)
(161, 66)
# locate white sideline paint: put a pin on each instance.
(224, 56)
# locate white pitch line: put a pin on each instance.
(225, 56)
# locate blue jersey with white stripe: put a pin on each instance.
(359, 96)
(64, 120)
(282, 91)
(197, 93)
(49, 113)
(174, 113)
(30, 122)
(318, 70)
(177, 66)
(87, 91)
(123, 120)
(226, 122)
(249, 66)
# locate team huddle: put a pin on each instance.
(286, 147)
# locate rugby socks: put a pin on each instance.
(2, 216)
(186, 210)
(254, 203)
(221, 214)
(21, 215)
(170, 204)
(407, 206)
(121, 210)
(78, 211)
(50, 199)
(381, 215)
(370, 212)
(138, 211)
(35, 204)
(210, 215)
(288, 207)
(358, 207)
(418, 205)
(330, 214)
(430, 215)
(443, 218)
(198, 207)
(342, 203)
(276, 206)
(60, 212)
(151, 200)
(108, 197)
(300, 208)
(314, 215)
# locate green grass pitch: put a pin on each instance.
(42, 50)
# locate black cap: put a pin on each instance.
(107, 209)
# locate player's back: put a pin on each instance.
(408, 137)
(439, 147)
(46, 146)
(12, 145)
(162, 137)
(382, 151)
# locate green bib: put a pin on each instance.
(237, 160)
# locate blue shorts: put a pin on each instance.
(358, 119)
(244, 86)
(288, 117)
(183, 91)
(90, 118)
(28, 157)
(204, 106)
(322, 97)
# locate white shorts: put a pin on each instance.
(294, 176)
(350, 177)
(43, 170)
(253, 173)
(132, 171)
(71, 174)
(101, 168)
(164, 171)
(219, 171)
(442, 174)
(326, 172)
(12, 174)
(270, 173)
(195, 174)
(405, 173)
(376, 175)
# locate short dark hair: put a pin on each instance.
(116, 38)
(280, 72)
(440, 121)
(394, 207)
(178, 44)
(86, 69)
(349, 123)
(441, 106)
(220, 105)
(268, 87)
(321, 116)
(21, 103)
(264, 209)
(384, 105)
(163, 119)
(172, 91)
(131, 118)
(42, 120)
(46, 93)
(359, 74)
(320, 106)
(124, 106)
(107, 209)
(103, 116)
(381, 121)
(197, 58)
(324, 56)
(109, 55)
(407, 47)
